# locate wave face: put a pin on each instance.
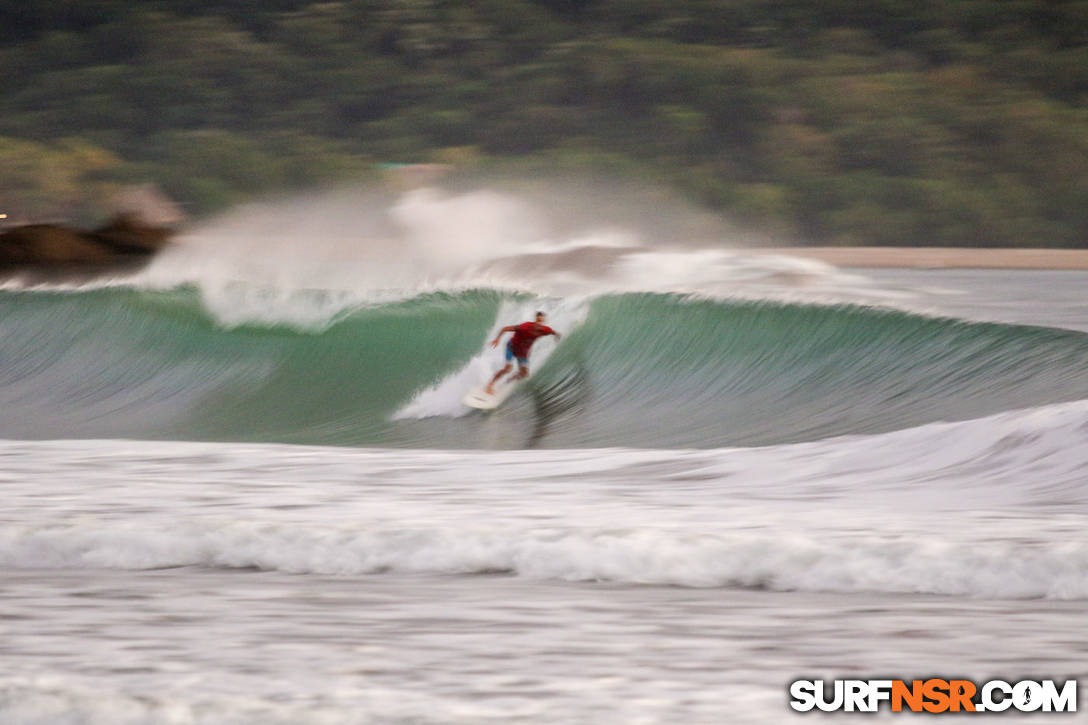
(633, 369)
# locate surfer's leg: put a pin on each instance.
(490, 389)
(523, 370)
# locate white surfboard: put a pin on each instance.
(479, 399)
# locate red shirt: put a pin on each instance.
(525, 335)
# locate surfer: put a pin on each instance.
(517, 348)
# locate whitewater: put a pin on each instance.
(239, 486)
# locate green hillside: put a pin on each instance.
(961, 122)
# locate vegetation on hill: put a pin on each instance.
(935, 122)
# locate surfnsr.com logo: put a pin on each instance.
(933, 695)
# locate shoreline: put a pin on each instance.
(938, 257)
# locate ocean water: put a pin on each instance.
(239, 487)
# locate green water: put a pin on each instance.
(642, 370)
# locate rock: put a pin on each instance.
(124, 242)
(128, 234)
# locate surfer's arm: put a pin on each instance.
(509, 328)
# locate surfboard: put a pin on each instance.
(477, 398)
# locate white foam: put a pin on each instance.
(894, 561)
(985, 508)
(61, 699)
(990, 508)
(322, 698)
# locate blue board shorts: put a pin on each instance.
(522, 361)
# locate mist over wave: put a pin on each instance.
(305, 262)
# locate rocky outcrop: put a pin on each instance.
(125, 242)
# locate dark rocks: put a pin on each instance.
(124, 243)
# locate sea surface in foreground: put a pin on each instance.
(687, 577)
